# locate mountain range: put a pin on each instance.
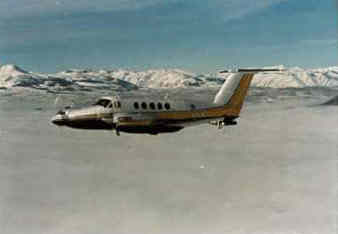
(13, 77)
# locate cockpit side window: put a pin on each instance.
(102, 102)
(117, 104)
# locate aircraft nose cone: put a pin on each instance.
(58, 120)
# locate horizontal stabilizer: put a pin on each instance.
(252, 70)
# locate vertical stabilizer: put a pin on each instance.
(228, 89)
(234, 90)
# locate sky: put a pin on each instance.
(195, 35)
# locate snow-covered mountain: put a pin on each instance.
(298, 78)
(12, 77)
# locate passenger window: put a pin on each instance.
(110, 105)
(159, 106)
(144, 105)
(118, 104)
(167, 106)
(136, 106)
(152, 106)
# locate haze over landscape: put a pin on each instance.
(273, 173)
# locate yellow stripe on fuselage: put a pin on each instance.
(135, 123)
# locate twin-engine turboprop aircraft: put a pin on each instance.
(154, 116)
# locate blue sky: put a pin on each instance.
(197, 35)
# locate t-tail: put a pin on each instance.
(235, 88)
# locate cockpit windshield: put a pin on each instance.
(102, 102)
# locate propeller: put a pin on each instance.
(61, 104)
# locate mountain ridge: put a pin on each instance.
(12, 77)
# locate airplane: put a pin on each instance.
(149, 115)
